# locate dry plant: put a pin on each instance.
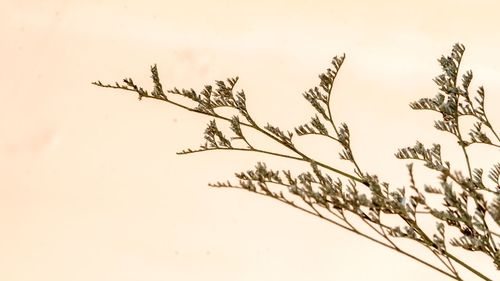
(467, 217)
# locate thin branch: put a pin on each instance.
(351, 230)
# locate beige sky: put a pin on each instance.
(91, 188)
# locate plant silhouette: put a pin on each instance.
(468, 216)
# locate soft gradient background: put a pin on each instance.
(91, 188)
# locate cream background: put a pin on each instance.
(91, 188)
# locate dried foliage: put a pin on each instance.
(338, 198)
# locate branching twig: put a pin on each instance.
(321, 196)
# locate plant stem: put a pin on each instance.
(353, 231)
(253, 126)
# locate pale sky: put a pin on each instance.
(91, 187)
